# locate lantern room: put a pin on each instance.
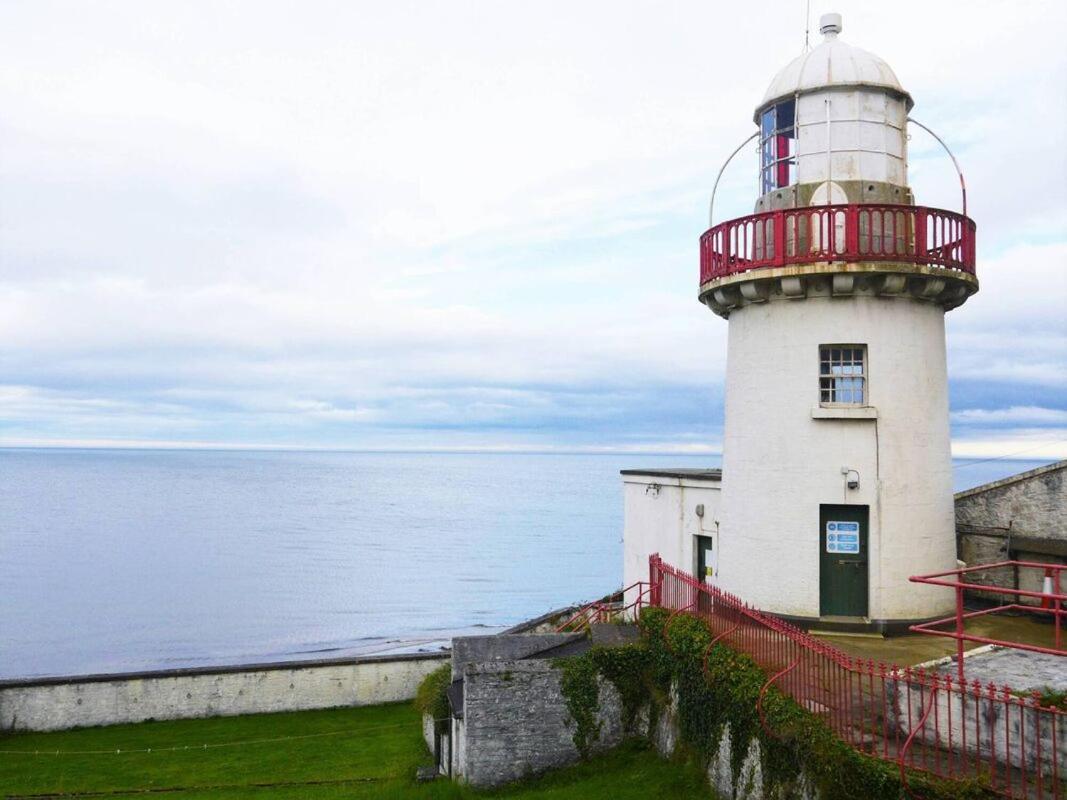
(833, 120)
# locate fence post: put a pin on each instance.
(920, 235)
(959, 632)
(852, 230)
(779, 238)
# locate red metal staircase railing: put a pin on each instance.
(919, 720)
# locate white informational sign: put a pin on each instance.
(843, 537)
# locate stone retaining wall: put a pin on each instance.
(51, 704)
(515, 722)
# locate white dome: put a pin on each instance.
(832, 63)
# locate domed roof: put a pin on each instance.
(832, 63)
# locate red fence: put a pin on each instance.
(920, 720)
(903, 234)
(613, 608)
(1052, 603)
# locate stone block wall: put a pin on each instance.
(747, 783)
(1027, 511)
(516, 723)
(468, 650)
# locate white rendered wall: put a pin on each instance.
(52, 704)
(867, 137)
(780, 463)
(666, 522)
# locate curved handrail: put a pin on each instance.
(722, 169)
(908, 741)
(955, 163)
(712, 643)
(763, 691)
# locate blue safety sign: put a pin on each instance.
(843, 537)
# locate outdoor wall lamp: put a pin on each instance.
(852, 477)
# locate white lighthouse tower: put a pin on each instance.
(837, 475)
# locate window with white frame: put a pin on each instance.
(843, 374)
(778, 153)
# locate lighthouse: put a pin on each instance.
(837, 475)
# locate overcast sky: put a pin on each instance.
(468, 225)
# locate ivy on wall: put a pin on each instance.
(726, 693)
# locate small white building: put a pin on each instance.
(673, 512)
(837, 474)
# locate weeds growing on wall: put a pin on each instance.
(431, 697)
(726, 693)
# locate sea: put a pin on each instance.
(126, 560)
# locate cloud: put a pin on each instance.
(471, 225)
(1021, 443)
(1015, 415)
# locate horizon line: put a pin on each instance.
(149, 446)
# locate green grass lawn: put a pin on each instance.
(367, 752)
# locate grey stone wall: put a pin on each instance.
(1027, 511)
(467, 650)
(516, 723)
(747, 783)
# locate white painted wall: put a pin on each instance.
(780, 463)
(58, 704)
(867, 136)
(665, 522)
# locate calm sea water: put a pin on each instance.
(125, 559)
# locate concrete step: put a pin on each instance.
(608, 634)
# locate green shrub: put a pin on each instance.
(431, 697)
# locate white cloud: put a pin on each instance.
(1018, 415)
(1022, 443)
(328, 221)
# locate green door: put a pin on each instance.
(706, 561)
(843, 561)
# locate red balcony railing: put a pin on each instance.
(901, 234)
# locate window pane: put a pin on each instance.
(767, 122)
(841, 375)
(785, 111)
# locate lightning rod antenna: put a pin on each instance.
(807, 28)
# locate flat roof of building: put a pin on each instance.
(679, 472)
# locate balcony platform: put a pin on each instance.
(949, 288)
(837, 251)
